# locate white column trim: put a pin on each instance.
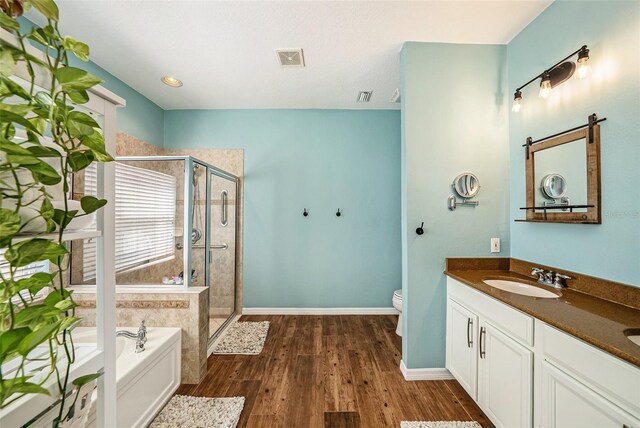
(425, 374)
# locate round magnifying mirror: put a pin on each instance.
(553, 186)
(466, 185)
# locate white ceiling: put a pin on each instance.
(223, 51)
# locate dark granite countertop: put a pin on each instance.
(599, 322)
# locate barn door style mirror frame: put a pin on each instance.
(586, 208)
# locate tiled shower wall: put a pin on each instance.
(230, 160)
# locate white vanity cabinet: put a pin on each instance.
(554, 381)
(492, 363)
(462, 353)
(565, 402)
(505, 378)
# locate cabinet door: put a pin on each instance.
(462, 358)
(505, 378)
(568, 403)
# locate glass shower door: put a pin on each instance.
(222, 253)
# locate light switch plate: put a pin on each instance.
(495, 245)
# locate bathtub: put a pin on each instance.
(144, 381)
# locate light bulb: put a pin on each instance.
(517, 102)
(583, 63)
(545, 86)
(583, 68)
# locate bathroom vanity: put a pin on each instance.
(555, 361)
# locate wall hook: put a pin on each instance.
(338, 214)
(420, 230)
(305, 213)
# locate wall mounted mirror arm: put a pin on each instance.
(452, 202)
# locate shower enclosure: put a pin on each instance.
(176, 219)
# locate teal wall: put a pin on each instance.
(321, 160)
(454, 119)
(141, 118)
(611, 29)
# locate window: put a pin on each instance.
(23, 272)
(145, 219)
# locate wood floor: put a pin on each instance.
(331, 371)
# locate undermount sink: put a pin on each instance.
(633, 335)
(522, 288)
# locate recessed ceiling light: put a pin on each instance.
(171, 81)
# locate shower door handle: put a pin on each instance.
(223, 216)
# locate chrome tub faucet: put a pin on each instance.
(140, 337)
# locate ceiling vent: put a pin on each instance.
(290, 57)
(364, 96)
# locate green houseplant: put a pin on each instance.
(60, 141)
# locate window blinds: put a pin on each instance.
(145, 219)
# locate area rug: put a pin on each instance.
(440, 424)
(199, 412)
(245, 338)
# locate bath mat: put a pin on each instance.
(440, 424)
(183, 411)
(245, 338)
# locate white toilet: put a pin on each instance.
(397, 303)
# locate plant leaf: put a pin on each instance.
(7, 62)
(26, 388)
(79, 160)
(46, 209)
(44, 173)
(36, 337)
(26, 252)
(14, 88)
(95, 142)
(75, 79)
(8, 23)
(83, 380)
(44, 152)
(79, 97)
(12, 148)
(8, 116)
(90, 204)
(36, 313)
(80, 50)
(9, 226)
(10, 339)
(46, 7)
(62, 218)
(83, 118)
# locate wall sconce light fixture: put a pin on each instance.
(555, 75)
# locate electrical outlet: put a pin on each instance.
(495, 245)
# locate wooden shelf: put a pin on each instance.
(548, 221)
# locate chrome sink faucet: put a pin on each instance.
(550, 278)
(140, 337)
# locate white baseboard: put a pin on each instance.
(319, 311)
(424, 374)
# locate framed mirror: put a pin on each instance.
(563, 178)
